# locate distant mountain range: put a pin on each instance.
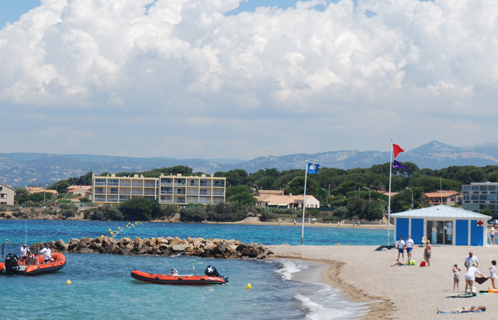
(24, 169)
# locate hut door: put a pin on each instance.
(440, 232)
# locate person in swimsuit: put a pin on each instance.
(464, 309)
(456, 277)
(492, 234)
(427, 253)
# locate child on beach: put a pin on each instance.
(492, 273)
(456, 276)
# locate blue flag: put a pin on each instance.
(313, 168)
(397, 165)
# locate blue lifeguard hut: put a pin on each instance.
(442, 225)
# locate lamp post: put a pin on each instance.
(412, 195)
(368, 194)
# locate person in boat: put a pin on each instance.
(25, 252)
(174, 272)
(47, 254)
(464, 309)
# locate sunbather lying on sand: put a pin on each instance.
(464, 309)
(400, 263)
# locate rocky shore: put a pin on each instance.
(209, 248)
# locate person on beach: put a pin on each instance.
(409, 247)
(47, 254)
(492, 273)
(401, 248)
(456, 277)
(427, 253)
(470, 260)
(401, 263)
(470, 276)
(492, 234)
(464, 309)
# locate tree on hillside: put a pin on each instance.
(235, 177)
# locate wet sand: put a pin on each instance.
(409, 292)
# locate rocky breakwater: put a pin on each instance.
(209, 248)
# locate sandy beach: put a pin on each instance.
(409, 292)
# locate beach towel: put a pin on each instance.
(441, 312)
(481, 280)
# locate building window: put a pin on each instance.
(100, 182)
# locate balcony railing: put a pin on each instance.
(205, 184)
(180, 183)
(125, 184)
(166, 192)
(100, 183)
(166, 184)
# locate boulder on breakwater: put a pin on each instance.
(209, 248)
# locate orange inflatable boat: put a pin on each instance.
(34, 265)
(212, 277)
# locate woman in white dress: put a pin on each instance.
(470, 277)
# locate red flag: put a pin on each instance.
(397, 149)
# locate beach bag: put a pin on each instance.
(422, 264)
(411, 262)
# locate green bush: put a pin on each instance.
(169, 210)
(192, 213)
(267, 215)
(67, 213)
(140, 209)
(67, 205)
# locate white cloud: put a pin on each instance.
(185, 58)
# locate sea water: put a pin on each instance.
(46, 230)
(103, 288)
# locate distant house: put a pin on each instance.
(446, 197)
(33, 190)
(277, 199)
(6, 195)
(78, 189)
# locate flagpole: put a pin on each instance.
(389, 204)
(304, 199)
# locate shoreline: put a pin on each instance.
(363, 274)
(378, 307)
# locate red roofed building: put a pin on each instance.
(447, 197)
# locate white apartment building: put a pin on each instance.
(479, 196)
(172, 189)
(6, 195)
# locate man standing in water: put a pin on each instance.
(409, 247)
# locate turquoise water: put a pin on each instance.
(103, 288)
(44, 230)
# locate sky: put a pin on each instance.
(244, 79)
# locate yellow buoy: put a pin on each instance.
(68, 282)
(102, 236)
(249, 286)
(109, 229)
(119, 228)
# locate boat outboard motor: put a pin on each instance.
(212, 272)
(11, 263)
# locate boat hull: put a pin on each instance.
(191, 280)
(37, 269)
